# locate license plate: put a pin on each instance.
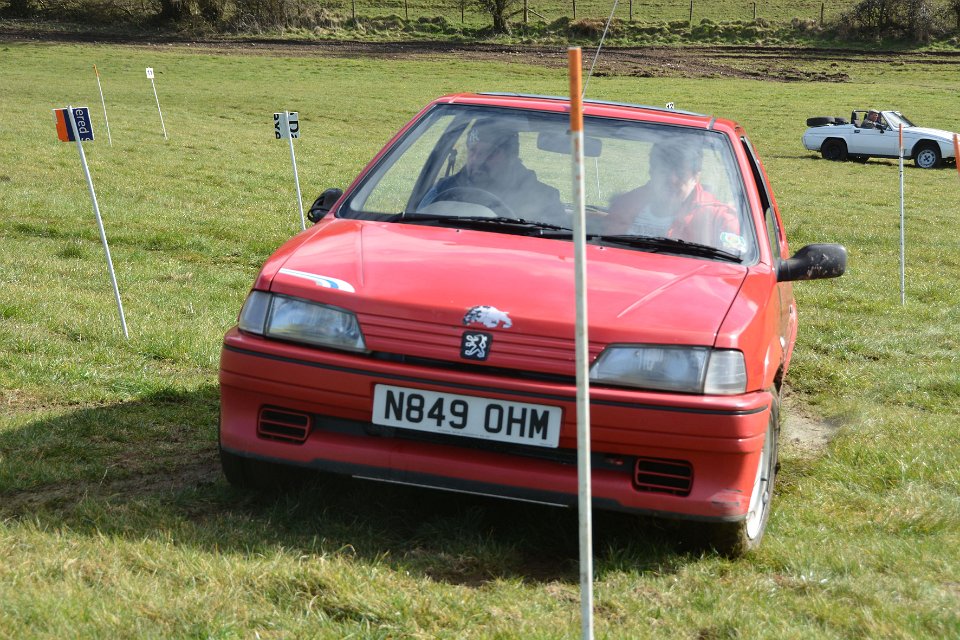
(469, 416)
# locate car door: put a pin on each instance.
(879, 141)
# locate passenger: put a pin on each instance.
(673, 203)
(493, 168)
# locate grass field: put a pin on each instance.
(115, 521)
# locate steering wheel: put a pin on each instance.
(479, 196)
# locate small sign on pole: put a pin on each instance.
(287, 125)
(104, 103)
(584, 489)
(73, 125)
(157, 98)
(903, 250)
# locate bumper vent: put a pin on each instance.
(663, 476)
(282, 424)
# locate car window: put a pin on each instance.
(641, 178)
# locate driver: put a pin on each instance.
(494, 176)
(871, 120)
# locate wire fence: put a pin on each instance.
(692, 11)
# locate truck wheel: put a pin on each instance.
(834, 149)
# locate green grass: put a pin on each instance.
(115, 521)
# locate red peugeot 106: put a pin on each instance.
(422, 331)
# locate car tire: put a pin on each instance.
(834, 149)
(926, 155)
(247, 473)
(735, 539)
(820, 121)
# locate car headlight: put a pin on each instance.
(672, 368)
(286, 318)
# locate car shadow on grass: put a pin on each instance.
(151, 468)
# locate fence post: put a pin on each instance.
(631, 10)
(821, 16)
(574, 9)
(526, 17)
(353, 9)
(691, 13)
(754, 11)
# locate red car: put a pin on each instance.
(422, 331)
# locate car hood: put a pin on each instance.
(926, 132)
(521, 285)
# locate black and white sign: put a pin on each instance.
(293, 128)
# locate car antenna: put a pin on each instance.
(586, 80)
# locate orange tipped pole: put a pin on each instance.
(956, 152)
(574, 65)
(581, 347)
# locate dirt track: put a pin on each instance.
(775, 64)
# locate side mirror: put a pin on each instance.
(322, 205)
(813, 262)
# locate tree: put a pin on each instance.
(500, 11)
(173, 10)
(19, 9)
(955, 7)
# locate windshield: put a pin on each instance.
(895, 118)
(467, 166)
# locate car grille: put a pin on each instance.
(663, 476)
(283, 424)
(393, 338)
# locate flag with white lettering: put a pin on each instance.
(81, 116)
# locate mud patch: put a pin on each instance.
(803, 431)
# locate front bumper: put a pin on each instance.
(712, 442)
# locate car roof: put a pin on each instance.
(598, 108)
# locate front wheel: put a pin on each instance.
(734, 539)
(927, 156)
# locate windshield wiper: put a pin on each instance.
(515, 225)
(669, 245)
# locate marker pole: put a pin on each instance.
(296, 176)
(96, 211)
(956, 152)
(584, 490)
(903, 250)
(157, 98)
(104, 103)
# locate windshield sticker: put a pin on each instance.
(321, 281)
(490, 317)
(733, 241)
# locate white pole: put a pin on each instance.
(157, 98)
(584, 491)
(104, 103)
(903, 250)
(96, 211)
(293, 160)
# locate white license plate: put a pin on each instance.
(501, 420)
